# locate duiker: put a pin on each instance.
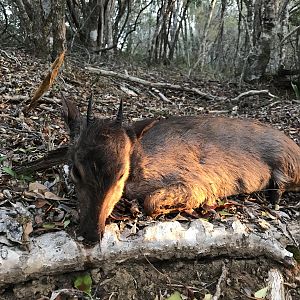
(174, 164)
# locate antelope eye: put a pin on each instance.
(121, 176)
(75, 174)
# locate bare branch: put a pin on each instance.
(135, 23)
(289, 34)
(157, 85)
(253, 93)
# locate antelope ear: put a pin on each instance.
(72, 117)
(141, 127)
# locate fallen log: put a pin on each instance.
(177, 87)
(56, 253)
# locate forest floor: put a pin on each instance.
(26, 138)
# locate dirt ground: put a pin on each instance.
(157, 280)
(26, 138)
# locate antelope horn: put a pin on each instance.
(89, 114)
(120, 113)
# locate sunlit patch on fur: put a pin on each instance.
(114, 193)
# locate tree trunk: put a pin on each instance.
(177, 29)
(93, 24)
(58, 28)
(264, 20)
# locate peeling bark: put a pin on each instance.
(55, 253)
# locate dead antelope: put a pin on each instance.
(174, 164)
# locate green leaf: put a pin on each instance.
(225, 213)
(296, 252)
(27, 178)
(261, 294)
(2, 158)
(9, 171)
(49, 225)
(175, 296)
(66, 223)
(27, 150)
(84, 283)
(296, 90)
(22, 150)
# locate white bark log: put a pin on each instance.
(55, 253)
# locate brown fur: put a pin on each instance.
(186, 162)
(177, 164)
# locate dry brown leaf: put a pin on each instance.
(27, 229)
(51, 196)
(38, 220)
(41, 203)
(37, 187)
(32, 196)
(48, 81)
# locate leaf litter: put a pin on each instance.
(45, 201)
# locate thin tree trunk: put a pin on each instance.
(202, 47)
(178, 29)
(263, 36)
(58, 27)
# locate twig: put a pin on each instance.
(253, 93)
(162, 274)
(112, 294)
(193, 288)
(44, 107)
(289, 34)
(218, 111)
(130, 92)
(10, 57)
(220, 281)
(163, 85)
(162, 96)
(15, 98)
